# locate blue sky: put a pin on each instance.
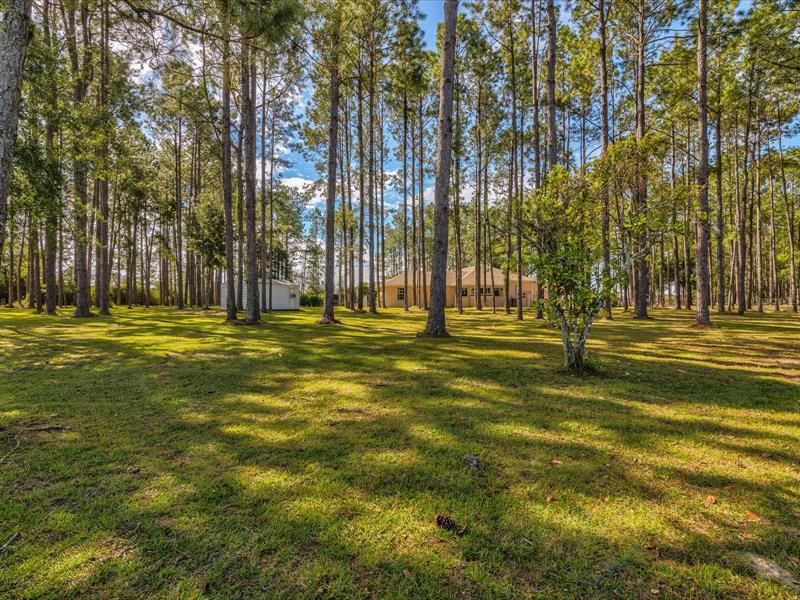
(433, 11)
(301, 170)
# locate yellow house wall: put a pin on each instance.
(528, 288)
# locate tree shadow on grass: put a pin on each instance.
(294, 462)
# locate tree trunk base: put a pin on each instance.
(433, 334)
(326, 321)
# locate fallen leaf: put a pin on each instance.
(550, 498)
(710, 500)
(751, 516)
(555, 462)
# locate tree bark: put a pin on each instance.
(720, 213)
(640, 199)
(361, 204)
(15, 35)
(328, 315)
(742, 207)
(54, 202)
(248, 76)
(372, 299)
(605, 225)
(436, 316)
(552, 136)
(81, 67)
(703, 228)
(405, 201)
(227, 166)
(789, 220)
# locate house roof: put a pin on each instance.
(275, 281)
(467, 277)
(282, 282)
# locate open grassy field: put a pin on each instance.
(158, 454)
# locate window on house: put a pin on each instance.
(464, 292)
(401, 293)
(497, 292)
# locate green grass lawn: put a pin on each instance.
(165, 454)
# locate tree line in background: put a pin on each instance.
(632, 153)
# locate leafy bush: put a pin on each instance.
(312, 299)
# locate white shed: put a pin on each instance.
(285, 294)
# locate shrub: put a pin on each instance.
(312, 299)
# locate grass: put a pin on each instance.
(165, 454)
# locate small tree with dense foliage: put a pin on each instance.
(570, 262)
(569, 266)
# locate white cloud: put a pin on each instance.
(301, 184)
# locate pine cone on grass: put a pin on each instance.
(446, 522)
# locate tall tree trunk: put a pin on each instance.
(759, 274)
(405, 201)
(720, 213)
(351, 251)
(263, 229)
(457, 199)
(179, 211)
(742, 205)
(15, 35)
(373, 296)
(790, 225)
(361, 204)
(103, 264)
(227, 166)
(605, 226)
(552, 135)
(240, 236)
(271, 241)
(252, 310)
(421, 182)
(62, 297)
(436, 317)
(414, 237)
(382, 162)
(328, 315)
(640, 199)
(773, 259)
(518, 207)
(537, 162)
(479, 262)
(80, 65)
(703, 228)
(54, 201)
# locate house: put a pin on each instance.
(285, 294)
(396, 291)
